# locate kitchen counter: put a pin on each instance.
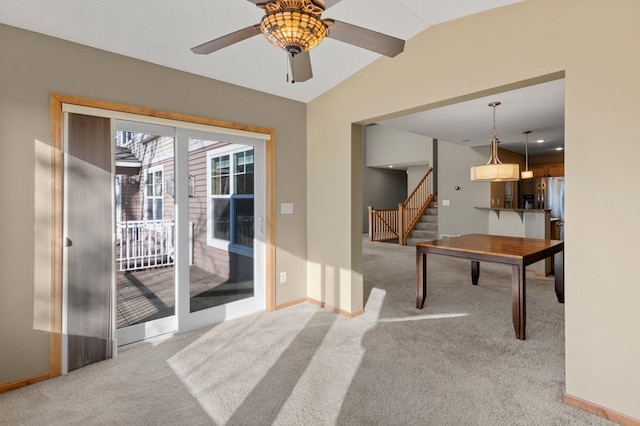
(528, 223)
(520, 212)
(514, 210)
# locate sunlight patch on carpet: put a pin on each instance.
(318, 395)
(423, 317)
(230, 369)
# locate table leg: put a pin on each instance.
(558, 272)
(518, 300)
(421, 278)
(475, 272)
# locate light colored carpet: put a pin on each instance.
(455, 362)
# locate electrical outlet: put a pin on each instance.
(283, 277)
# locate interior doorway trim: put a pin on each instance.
(57, 153)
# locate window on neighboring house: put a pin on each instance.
(230, 208)
(153, 194)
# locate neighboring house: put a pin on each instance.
(221, 208)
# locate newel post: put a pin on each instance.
(370, 216)
(401, 239)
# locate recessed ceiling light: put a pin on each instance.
(540, 140)
(391, 166)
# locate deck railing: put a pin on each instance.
(390, 224)
(142, 244)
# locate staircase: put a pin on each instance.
(427, 228)
(417, 211)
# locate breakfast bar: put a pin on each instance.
(515, 251)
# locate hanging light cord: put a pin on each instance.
(526, 149)
(493, 159)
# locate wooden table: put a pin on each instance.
(514, 251)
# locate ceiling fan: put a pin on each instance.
(295, 27)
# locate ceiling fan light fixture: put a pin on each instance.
(294, 31)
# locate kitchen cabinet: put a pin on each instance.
(556, 170)
(556, 229)
(504, 194)
(538, 170)
(547, 170)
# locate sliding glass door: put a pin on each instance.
(225, 205)
(184, 244)
(145, 237)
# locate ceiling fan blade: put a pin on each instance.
(227, 40)
(300, 64)
(327, 3)
(362, 37)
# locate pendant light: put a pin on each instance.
(526, 174)
(495, 170)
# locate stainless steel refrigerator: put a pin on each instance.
(545, 193)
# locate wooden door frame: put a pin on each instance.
(57, 168)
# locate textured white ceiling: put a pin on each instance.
(163, 32)
(538, 108)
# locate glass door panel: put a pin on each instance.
(145, 234)
(221, 223)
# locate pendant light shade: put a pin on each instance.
(495, 170)
(526, 174)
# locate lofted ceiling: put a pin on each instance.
(163, 32)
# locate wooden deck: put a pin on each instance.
(149, 294)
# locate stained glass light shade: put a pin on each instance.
(293, 30)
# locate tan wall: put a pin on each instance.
(32, 67)
(592, 44)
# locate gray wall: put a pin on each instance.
(33, 66)
(385, 188)
(382, 189)
(387, 145)
(415, 175)
(461, 216)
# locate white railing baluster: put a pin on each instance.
(144, 244)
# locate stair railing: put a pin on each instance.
(383, 224)
(410, 211)
(391, 224)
